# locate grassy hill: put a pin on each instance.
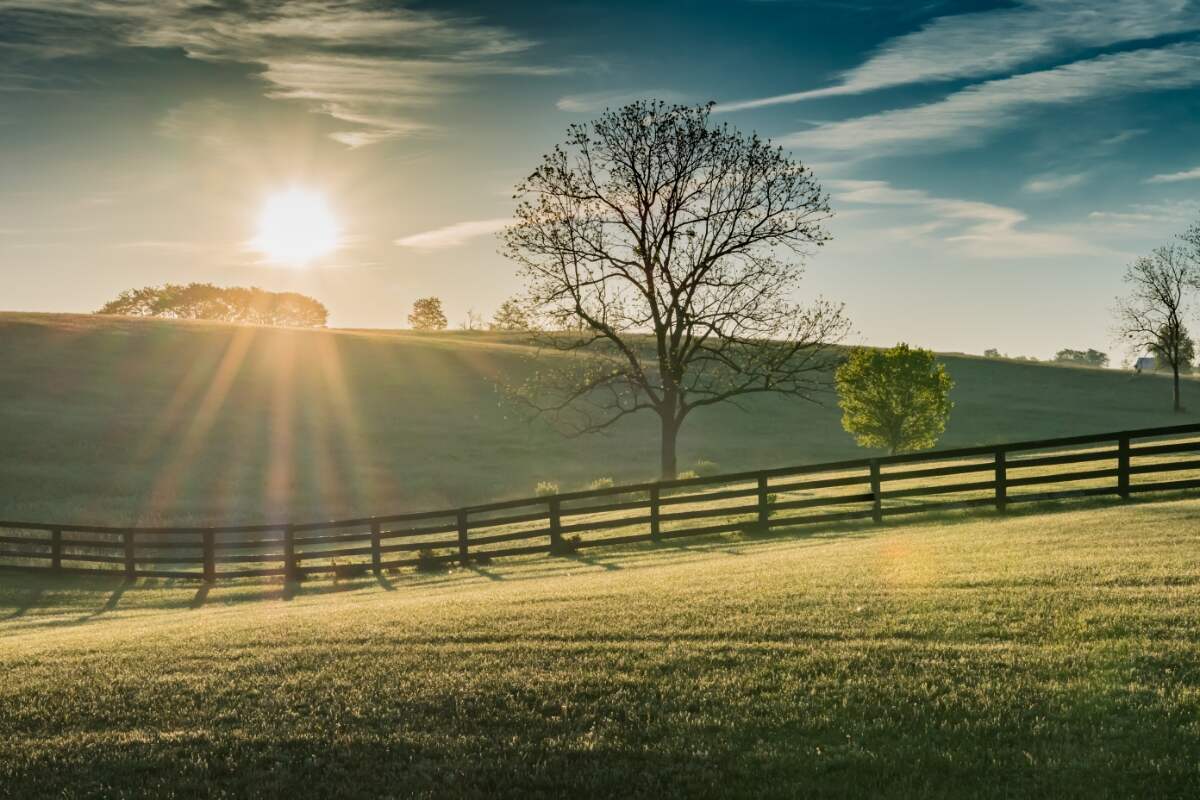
(1050, 655)
(124, 420)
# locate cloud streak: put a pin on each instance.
(968, 116)
(992, 43)
(1176, 177)
(979, 229)
(370, 66)
(1045, 184)
(594, 102)
(453, 235)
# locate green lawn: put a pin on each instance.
(109, 420)
(1039, 655)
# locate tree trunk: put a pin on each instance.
(1178, 406)
(670, 433)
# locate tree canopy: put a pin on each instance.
(896, 399)
(1090, 357)
(227, 303)
(510, 317)
(427, 315)
(1150, 317)
(665, 251)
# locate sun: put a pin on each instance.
(296, 227)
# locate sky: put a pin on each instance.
(993, 166)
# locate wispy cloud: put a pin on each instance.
(991, 43)
(1176, 177)
(592, 102)
(453, 235)
(977, 229)
(369, 65)
(1044, 184)
(966, 117)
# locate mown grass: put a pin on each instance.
(1038, 655)
(120, 421)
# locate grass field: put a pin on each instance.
(1040, 655)
(110, 420)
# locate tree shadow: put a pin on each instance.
(382, 580)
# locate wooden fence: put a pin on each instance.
(1121, 464)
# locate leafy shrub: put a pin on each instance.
(567, 545)
(430, 560)
(687, 474)
(546, 488)
(706, 467)
(600, 483)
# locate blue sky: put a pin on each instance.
(993, 166)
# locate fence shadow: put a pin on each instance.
(39, 590)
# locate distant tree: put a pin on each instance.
(474, 321)
(1092, 358)
(1187, 354)
(1151, 317)
(230, 304)
(510, 317)
(992, 352)
(427, 315)
(897, 399)
(665, 251)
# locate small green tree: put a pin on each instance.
(898, 399)
(427, 315)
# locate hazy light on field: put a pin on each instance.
(296, 227)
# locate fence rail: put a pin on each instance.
(1121, 464)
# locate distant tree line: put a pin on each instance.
(226, 303)
(428, 315)
(1089, 357)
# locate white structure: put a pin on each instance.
(1145, 364)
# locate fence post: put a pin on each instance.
(876, 493)
(655, 523)
(463, 555)
(1123, 466)
(376, 555)
(556, 540)
(1001, 480)
(764, 513)
(291, 570)
(210, 557)
(56, 550)
(130, 564)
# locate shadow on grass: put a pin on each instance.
(109, 605)
(34, 595)
(201, 595)
(28, 601)
(591, 561)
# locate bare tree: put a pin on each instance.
(664, 251)
(1151, 317)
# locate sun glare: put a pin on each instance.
(296, 227)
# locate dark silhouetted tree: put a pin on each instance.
(427, 315)
(897, 399)
(1150, 318)
(664, 250)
